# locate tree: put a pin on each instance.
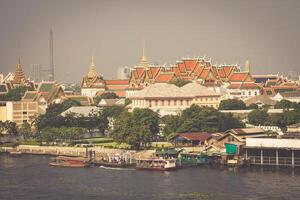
(15, 94)
(52, 117)
(226, 121)
(171, 123)
(179, 82)
(258, 117)
(252, 106)
(232, 104)
(137, 129)
(25, 130)
(284, 104)
(198, 119)
(127, 101)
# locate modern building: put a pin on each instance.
(18, 111)
(123, 73)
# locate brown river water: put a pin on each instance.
(28, 177)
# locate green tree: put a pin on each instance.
(25, 130)
(137, 129)
(284, 104)
(252, 106)
(171, 123)
(258, 117)
(232, 104)
(15, 94)
(179, 82)
(128, 101)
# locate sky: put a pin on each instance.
(265, 32)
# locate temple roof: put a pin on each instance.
(19, 77)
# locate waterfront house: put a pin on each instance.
(239, 135)
(190, 139)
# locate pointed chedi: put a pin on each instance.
(144, 61)
(19, 77)
(92, 72)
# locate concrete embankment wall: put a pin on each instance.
(66, 151)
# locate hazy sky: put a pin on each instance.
(230, 31)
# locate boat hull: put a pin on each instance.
(155, 169)
(53, 164)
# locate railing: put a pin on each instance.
(271, 160)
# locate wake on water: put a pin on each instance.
(115, 168)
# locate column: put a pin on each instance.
(246, 154)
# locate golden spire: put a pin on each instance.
(247, 66)
(19, 77)
(92, 72)
(144, 61)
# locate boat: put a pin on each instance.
(192, 159)
(15, 153)
(67, 161)
(159, 164)
(116, 161)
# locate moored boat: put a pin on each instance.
(67, 161)
(159, 164)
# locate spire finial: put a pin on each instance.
(92, 63)
(92, 72)
(144, 61)
(247, 66)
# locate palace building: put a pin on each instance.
(93, 82)
(169, 99)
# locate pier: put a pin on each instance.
(272, 152)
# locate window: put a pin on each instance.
(249, 93)
(24, 113)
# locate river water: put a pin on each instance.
(29, 177)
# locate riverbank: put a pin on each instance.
(65, 151)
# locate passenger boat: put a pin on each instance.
(159, 164)
(116, 161)
(192, 159)
(66, 161)
(15, 153)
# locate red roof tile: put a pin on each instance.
(117, 82)
(199, 136)
(238, 76)
(164, 78)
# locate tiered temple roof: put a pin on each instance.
(19, 77)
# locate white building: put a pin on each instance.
(168, 99)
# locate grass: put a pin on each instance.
(161, 144)
(29, 142)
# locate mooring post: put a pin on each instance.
(277, 163)
(261, 157)
(293, 158)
